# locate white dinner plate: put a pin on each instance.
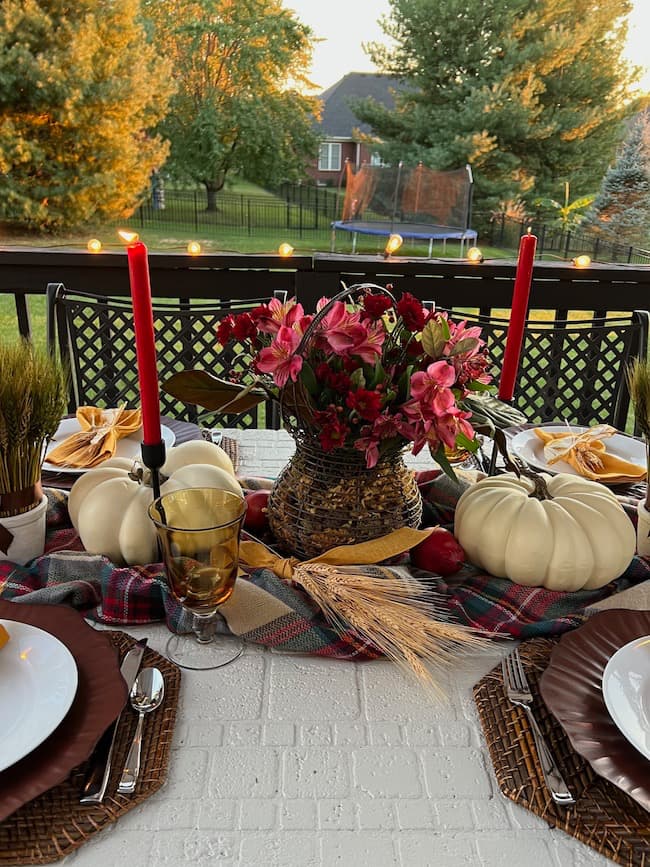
(38, 682)
(127, 447)
(529, 447)
(626, 691)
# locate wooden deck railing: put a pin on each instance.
(451, 283)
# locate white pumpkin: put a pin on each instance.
(108, 507)
(562, 532)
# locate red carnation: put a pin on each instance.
(412, 312)
(225, 329)
(366, 404)
(375, 306)
(244, 327)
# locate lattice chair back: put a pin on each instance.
(571, 369)
(94, 335)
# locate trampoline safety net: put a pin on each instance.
(407, 196)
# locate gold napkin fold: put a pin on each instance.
(587, 454)
(97, 439)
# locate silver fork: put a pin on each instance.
(518, 691)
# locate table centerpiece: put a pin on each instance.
(357, 382)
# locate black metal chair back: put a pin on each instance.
(95, 337)
(570, 369)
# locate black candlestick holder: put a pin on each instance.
(153, 457)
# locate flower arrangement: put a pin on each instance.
(368, 371)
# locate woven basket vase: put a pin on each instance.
(324, 499)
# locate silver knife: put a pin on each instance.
(100, 769)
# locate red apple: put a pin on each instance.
(256, 518)
(439, 552)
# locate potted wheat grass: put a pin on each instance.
(32, 402)
(638, 377)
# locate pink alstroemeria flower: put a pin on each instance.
(341, 330)
(453, 423)
(279, 358)
(270, 317)
(369, 349)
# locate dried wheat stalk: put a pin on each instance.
(399, 615)
(638, 380)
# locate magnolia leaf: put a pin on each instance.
(467, 344)
(212, 393)
(434, 336)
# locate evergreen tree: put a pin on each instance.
(531, 93)
(79, 89)
(234, 108)
(621, 211)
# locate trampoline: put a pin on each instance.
(417, 203)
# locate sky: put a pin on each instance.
(345, 24)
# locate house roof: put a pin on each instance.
(338, 120)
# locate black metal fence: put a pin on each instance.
(565, 244)
(306, 209)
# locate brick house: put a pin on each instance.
(339, 127)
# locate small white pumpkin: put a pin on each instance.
(562, 532)
(108, 506)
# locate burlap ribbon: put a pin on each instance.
(97, 440)
(587, 454)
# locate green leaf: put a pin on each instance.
(357, 379)
(434, 336)
(475, 385)
(464, 442)
(212, 393)
(308, 379)
(467, 344)
(441, 459)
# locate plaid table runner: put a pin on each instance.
(269, 611)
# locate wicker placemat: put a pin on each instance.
(604, 817)
(55, 823)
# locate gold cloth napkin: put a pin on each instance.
(588, 455)
(97, 439)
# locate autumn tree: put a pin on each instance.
(236, 66)
(531, 93)
(80, 88)
(621, 211)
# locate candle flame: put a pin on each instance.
(193, 248)
(128, 237)
(529, 231)
(94, 245)
(25, 653)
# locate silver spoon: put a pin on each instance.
(146, 695)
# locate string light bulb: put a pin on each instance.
(94, 245)
(285, 249)
(475, 255)
(193, 248)
(582, 261)
(128, 237)
(393, 244)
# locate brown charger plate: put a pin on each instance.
(571, 686)
(101, 694)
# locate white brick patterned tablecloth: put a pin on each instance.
(291, 761)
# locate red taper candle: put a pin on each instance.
(145, 344)
(515, 335)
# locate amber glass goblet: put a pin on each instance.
(199, 531)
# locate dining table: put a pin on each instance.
(285, 760)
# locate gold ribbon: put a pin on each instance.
(97, 439)
(257, 556)
(588, 455)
